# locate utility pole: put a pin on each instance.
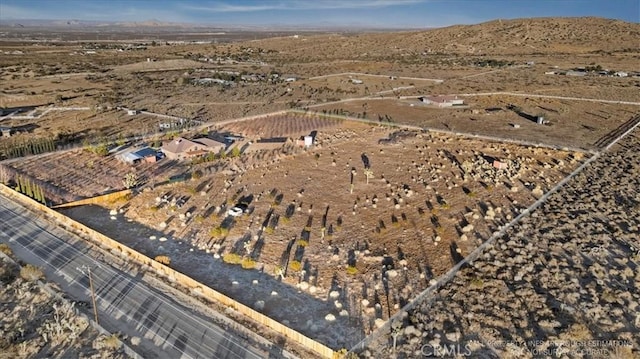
(93, 292)
(93, 297)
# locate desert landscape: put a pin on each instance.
(470, 187)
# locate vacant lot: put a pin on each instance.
(572, 123)
(325, 221)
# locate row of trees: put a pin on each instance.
(27, 147)
(27, 187)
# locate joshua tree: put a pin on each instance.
(247, 247)
(396, 329)
(368, 173)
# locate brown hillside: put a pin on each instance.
(497, 37)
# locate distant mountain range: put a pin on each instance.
(497, 37)
(163, 25)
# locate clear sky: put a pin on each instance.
(374, 13)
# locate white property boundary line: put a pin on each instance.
(373, 75)
(447, 132)
(616, 102)
(445, 278)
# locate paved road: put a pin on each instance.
(124, 300)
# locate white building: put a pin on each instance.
(442, 101)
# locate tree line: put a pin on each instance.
(27, 187)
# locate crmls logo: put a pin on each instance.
(445, 351)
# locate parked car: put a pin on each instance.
(237, 210)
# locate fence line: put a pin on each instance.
(173, 275)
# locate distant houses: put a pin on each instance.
(180, 148)
(442, 101)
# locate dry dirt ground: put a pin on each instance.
(424, 209)
(563, 280)
(574, 124)
(98, 75)
(431, 199)
(35, 324)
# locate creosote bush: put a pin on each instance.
(31, 273)
(4, 248)
(248, 263)
(352, 270)
(295, 266)
(477, 283)
(219, 232)
(232, 258)
(302, 243)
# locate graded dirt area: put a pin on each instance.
(429, 201)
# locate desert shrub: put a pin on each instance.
(477, 283)
(472, 194)
(248, 263)
(8, 273)
(302, 243)
(163, 259)
(295, 266)
(269, 230)
(218, 232)
(111, 342)
(154, 208)
(232, 258)
(199, 218)
(31, 273)
(4, 248)
(197, 174)
(352, 270)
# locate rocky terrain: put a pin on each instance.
(563, 280)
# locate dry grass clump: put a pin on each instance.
(163, 259)
(232, 258)
(111, 342)
(31, 273)
(248, 263)
(295, 266)
(4, 248)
